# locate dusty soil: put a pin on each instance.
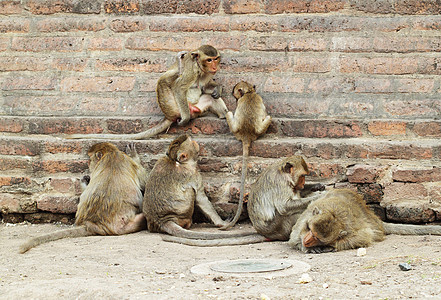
(142, 266)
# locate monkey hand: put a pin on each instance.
(317, 187)
(216, 92)
(320, 249)
(183, 122)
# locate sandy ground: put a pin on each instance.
(142, 266)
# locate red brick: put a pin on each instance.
(16, 203)
(71, 24)
(4, 44)
(352, 44)
(404, 191)
(284, 84)
(420, 108)
(133, 64)
(379, 65)
(21, 63)
(8, 164)
(38, 44)
(387, 128)
(97, 84)
(67, 126)
(254, 63)
(16, 25)
(308, 44)
(9, 7)
(192, 24)
(268, 43)
(321, 129)
(154, 7)
(427, 23)
(71, 147)
(412, 85)
(373, 85)
(325, 170)
(11, 125)
(429, 65)
(58, 204)
(105, 44)
(242, 6)
(128, 25)
(372, 193)
(58, 166)
(427, 129)
(147, 84)
(363, 173)
(140, 106)
(303, 6)
(330, 85)
(39, 105)
(418, 175)
(409, 211)
(418, 7)
(70, 64)
(121, 6)
(407, 44)
(19, 147)
(29, 83)
(203, 125)
(125, 126)
(45, 217)
(376, 7)
(400, 151)
(10, 181)
(286, 106)
(46, 7)
(311, 64)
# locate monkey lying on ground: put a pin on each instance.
(276, 201)
(173, 187)
(249, 121)
(111, 203)
(186, 91)
(341, 220)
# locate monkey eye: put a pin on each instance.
(209, 60)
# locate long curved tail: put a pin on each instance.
(245, 151)
(251, 239)
(77, 231)
(175, 230)
(155, 130)
(408, 229)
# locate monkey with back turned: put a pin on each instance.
(341, 220)
(186, 91)
(111, 201)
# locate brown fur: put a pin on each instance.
(173, 187)
(249, 121)
(186, 91)
(341, 220)
(111, 203)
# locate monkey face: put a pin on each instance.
(210, 64)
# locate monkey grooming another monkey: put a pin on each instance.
(186, 91)
(172, 189)
(341, 220)
(249, 121)
(276, 200)
(111, 202)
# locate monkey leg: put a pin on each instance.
(137, 224)
(262, 127)
(208, 209)
(216, 106)
(231, 122)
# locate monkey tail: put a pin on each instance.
(251, 239)
(155, 130)
(77, 231)
(245, 153)
(407, 229)
(175, 230)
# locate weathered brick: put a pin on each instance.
(4, 44)
(427, 23)
(429, 129)
(10, 181)
(261, 63)
(379, 65)
(38, 44)
(420, 108)
(289, 106)
(125, 126)
(376, 6)
(412, 85)
(404, 191)
(16, 203)
(46, 7)
(8, 164)
(407, 44)
(325, 170)
(418, 7)
(192, 24)
(153, 7)
(121, 6)
(284, 84)
(128, 25)
(71, 24)
(71, 147)
(133, 64)
(11, 125)
(372, 193)
(58, 204)
(326, 85)
(67, 126)
(321, 129)
(58, 166)
(387, 128)
(9, 7)
(311, 64)
(409, 212)
(204, 126)
(373, 85)
(70, 64)
(417, 175)
(98, 105)
(363, 173)
(399, 151)
(242, 6)
(303, 6)
(429, 66)
(21, 63)
(46, 217)
(29, 83)
(105, 44)
(352, 44)
(140, 106)
(40, 105)
(19, 147)
(16, 25)
(97, 84)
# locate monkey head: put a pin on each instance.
(207, 58)
(183, 149)
(324, 228)
(243, 88)
(98, 151)
(295, 170)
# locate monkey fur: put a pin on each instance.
(186, 91)
(341, 220)
(172, 189)
(249, 121)
(111, 202)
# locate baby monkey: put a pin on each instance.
(341, 220)
(249, 122)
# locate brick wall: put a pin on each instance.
(353, 86)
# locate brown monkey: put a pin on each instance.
(186, 91)
(111, 203)
(341, 220)
(249, 121)
(173, 187)
(276, 200)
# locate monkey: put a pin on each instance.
(276, 200)
(341, 220)
(111, 201)
(186, 91)
(249, 121)
(172, 189)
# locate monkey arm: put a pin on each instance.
(207, 208)
(182, 85)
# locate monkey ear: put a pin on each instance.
(287, 167)
(99, 155)
(315, 211)
(183, 157)
(254, 87)
(343, 233)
